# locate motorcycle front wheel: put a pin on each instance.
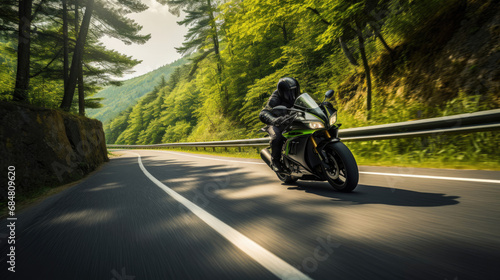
(343, 172)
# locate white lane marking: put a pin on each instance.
(267, 259)
(365, 172)
(217, 159)
(433, 177)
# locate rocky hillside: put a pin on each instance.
(47, 147)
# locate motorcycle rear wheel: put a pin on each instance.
(344, 175)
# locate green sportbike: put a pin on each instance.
(313, 149)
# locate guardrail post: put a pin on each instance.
(239, 149)
(213, 149)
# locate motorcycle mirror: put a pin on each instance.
(328, 94)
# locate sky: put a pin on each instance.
(166, 34)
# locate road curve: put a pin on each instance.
(121, 224)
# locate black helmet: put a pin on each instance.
(288, 89)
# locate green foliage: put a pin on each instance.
(478, 150)
(119, 98)
(44, 83)
(261, 41)
(7, 71)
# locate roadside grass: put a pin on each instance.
(477, 151)
(418, 153)
(230, 152)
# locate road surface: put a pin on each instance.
(186, 216)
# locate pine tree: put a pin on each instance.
(23, 50)
(203, 34)
(112, 21)
(47, 36)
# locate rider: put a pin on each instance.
(288, 90)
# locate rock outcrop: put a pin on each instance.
(47, 147)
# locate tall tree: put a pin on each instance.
(81, 92)
(69, 88)
(366, 65)
(203, 33)
(347, 20)
(46, 60)
(23, 50)
(109, 19)
(65, 41)
(342, 37)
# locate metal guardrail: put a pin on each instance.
(463, 123)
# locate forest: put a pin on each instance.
(114, 101)
(50, 50)
(387, 60)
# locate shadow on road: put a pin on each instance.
(118, 219)
(366, 194)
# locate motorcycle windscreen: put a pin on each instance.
(305, 101)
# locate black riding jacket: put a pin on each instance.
(268, 116)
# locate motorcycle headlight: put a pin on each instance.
(333, 118)
(316, 125)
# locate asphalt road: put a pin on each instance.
(233, 219)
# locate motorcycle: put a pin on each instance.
(313, 149)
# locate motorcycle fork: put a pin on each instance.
(325, 162)
(321, 154)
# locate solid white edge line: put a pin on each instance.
(267, 259)
(433, 177)
(217, 159)
(363, 172)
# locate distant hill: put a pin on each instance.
(118, 99)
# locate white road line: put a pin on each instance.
(267, 259)
(217, 159)
(365, 172)
(433, 177)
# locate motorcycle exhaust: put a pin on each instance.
(266, 156)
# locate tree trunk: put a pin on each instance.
(382, 40)
(362, 51)
(215, 37)
(215, 40)
(343, 45)
(347, 52)
(65, 43)
(285, 33)
(69, 90)
(81, 92)
(23, 51)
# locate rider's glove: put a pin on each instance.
(279, 121)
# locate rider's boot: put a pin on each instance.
(276, 166)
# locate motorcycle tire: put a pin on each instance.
(344, 176)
